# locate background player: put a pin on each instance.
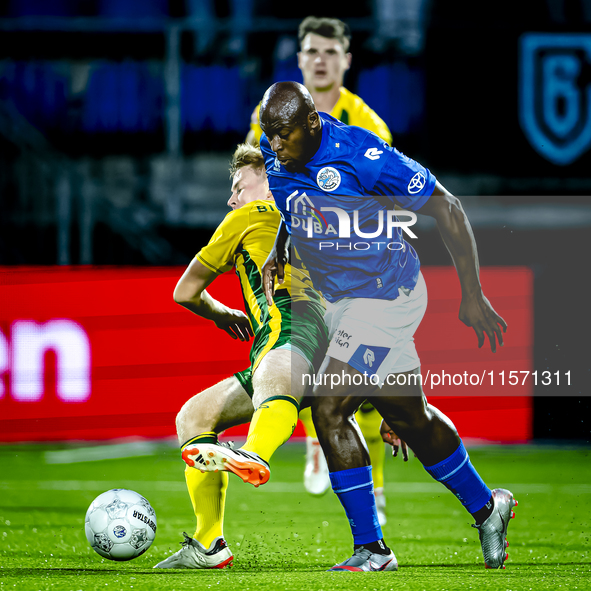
(378, 299)
(324, 59)
(243, 240)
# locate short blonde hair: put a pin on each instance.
(247, 155)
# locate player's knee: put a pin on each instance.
(266, 385)
(192, 418)
(180, 421)
(184, 416)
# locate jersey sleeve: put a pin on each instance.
(404, 180)
(219, 253)
(255, 126)
(369, 119)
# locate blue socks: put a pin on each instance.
(354, 488)
(459, 476)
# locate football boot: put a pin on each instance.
(493, 531)
(194, 555)
(364, 560)
(213, 457)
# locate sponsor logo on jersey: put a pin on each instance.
(314, 221)
(299, 204)
(417, 183)
(341, 338)
(555, 94)
(369, 357)
(373, 153)
(328, 178)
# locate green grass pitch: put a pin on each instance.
(284, 539)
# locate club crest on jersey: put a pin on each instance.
(555, 94)
(328, 178)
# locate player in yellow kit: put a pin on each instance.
(265, 393)
(323, 59)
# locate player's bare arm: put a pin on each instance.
(275, 265)
(456, 232)
(190, 292)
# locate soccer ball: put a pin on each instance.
(120, 524)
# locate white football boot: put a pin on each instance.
(364, 560)
(213, 457)
(194, 555)
(381, 505)
(316, 478)
(493, 532)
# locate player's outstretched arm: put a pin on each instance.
(190, 293)
(275, 264)
(456, 232)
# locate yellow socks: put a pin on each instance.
(272, 425)
(369, 423)
(306, 418)
(208, 496)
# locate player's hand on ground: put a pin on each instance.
(236, 324)
(390, 437)
(477, 313)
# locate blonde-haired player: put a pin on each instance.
(324, 59)
(265, 393)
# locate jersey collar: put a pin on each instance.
(323, 143)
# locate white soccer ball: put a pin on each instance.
(120, 524)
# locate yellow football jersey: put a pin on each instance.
(244, 240)
(350, 109)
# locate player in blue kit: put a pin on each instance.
(336, 187)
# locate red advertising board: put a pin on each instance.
(95, 353)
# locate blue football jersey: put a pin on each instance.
(340, 212)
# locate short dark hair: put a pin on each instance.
(332, 28)
(247, 155)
